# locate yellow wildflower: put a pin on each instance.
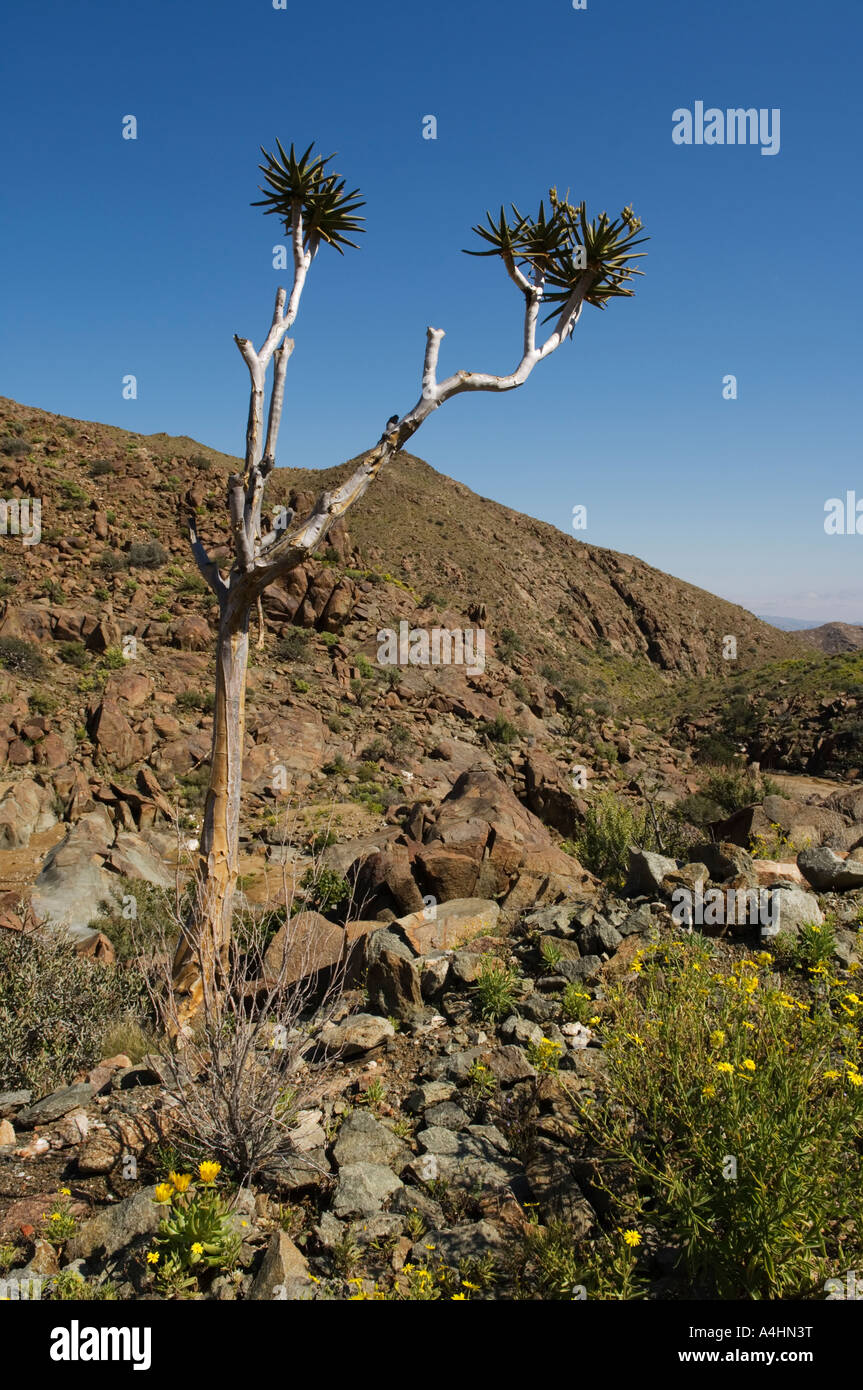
(164, 1193)
(180, 1180)
(209, 1171)
(152, 1257)
(748, 1064)
(708, 1092)
(632, 1238)
(717, 1037)
(724, 1066)
(197, 1250)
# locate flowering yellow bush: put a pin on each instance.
(736, 1104)
(195, 1233)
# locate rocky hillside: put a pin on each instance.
(439, 905)
(106, 652)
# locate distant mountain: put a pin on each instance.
(786, 624)
(833, 637)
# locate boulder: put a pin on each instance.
(191, 634)
(827, 872)
(72, 885)
(25, 810)
(795, 908)
(483, 843)
(309, 943)
(549, 793)
(55, 1106)
(646, 871)
(394, 989)
(385, 882)
(114, 736)
(447, 925)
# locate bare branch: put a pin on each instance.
(280, 552)
(433, 341)
(295, 546)
(277, 399)
(209, 569)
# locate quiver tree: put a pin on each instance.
(557, 259)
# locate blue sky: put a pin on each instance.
(145, 257)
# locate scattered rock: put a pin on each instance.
(363, 1188)
(283, 1273)
(359, 1033)
(56, 1105)
(364, 1140)
(116, 1227)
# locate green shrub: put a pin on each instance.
(113, 560)
(294, 646)
(813, 946)
(610, 826)
(195, 1234)
(698, 809)
(499, 730)
(716, 749)
(71, 1287)
(324, 889)
(192, 584)
(13, 447)
(203, 700)
(100, 468)
(56, 1008)
(336, 767)
(509, 644)
(21, 657)
(138, 918)
(42, 702)
(73, 495)
(576, 1005)
(495, 987)
(735, 787)
(148, 555)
